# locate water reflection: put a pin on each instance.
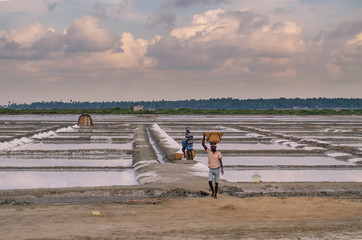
(278, 160)
(53, 179)
(295, 175)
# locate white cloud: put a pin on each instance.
(222, 38)
(357, 40)
(86, 34)
(26, 34)
(236, 51)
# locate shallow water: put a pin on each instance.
(55, 179)
(295, 175)
(29, 162)
(244, 146)
(41, 146)
(116, 127)
(274, 161)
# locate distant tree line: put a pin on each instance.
(187, 111)
(212, 103)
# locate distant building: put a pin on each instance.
(138, 107)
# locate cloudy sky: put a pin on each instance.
(116, 50)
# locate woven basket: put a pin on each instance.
(178, 156)
(213, 137)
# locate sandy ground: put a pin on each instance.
(188, 218)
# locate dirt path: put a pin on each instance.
(193, 218)
(141, 146)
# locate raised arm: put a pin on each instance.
(203, 142)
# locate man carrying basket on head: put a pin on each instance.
(187, 144)
(214, 161)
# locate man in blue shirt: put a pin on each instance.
(188, 144)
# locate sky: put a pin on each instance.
(131, 50)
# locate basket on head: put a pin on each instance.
(213, 137)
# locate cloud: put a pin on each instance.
(236, 51)
(350, 53)
(189, 3)
(99, 9)
(171, 53)
(26, 34)
(165, 16)
(220, 38)
(86, 34)
(167, 13)
(18, 43)
(345, 29)
(51, 6)
(133, 54)
(51, 41)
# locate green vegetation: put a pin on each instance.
(187, 111)
(207, 104)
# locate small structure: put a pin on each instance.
(85, 120)
(138, 108)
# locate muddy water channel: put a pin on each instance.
(52, 151)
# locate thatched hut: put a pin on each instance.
(85, 120)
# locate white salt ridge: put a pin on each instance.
(200, 167)
(337, 154)
(288, 143)
(314, 141)
(355, 160)
(293, 144)
(166, 139)
(6, 146)
(255, 135)
(68, 129)
(44, 135)
(313, 148)
(336, 130)
(200, 170)
(14, 143)
(142, 164)
(228, 129)
(147, 177)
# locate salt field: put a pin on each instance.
(277, 161)
(279, 148)
(62, 179)
(296, 175)
(52, 151)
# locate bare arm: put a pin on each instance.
(203, 142)
(222, 167)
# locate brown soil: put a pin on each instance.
(193, 218)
